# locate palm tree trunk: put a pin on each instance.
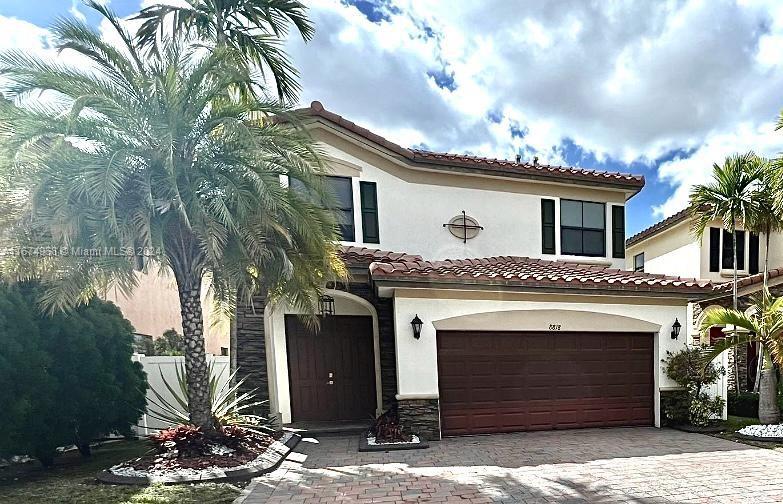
(769, 413)
(759, 348)
(196, 367)
(734, 302)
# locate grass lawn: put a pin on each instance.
(72, 480)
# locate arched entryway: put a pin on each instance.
(327, 372)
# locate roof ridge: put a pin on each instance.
(494, 165)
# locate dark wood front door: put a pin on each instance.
(331, 369)
(517, 381)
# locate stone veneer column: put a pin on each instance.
(421, 416)
(249, 353)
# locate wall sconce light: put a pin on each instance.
(676, 328)
(416, 324)
(326, 305)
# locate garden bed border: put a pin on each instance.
(228, 474)
(364, 446)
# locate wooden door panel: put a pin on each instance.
(502, 382)
(342, 346)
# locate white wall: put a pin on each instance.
(417, 374)
(413, 206)
(167, 366)
(683, 262)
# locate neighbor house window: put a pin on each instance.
(341, 190)
(582, 228)
(727, 261)
(369, 203)
(638, 262)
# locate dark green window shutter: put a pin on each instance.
(714, 249)
(618, 231)
(740, 249)
(369, 200)
(547, 226)
(753, 251)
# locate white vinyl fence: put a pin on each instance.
(167, 366)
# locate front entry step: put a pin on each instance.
(313, 429)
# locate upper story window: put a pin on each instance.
(341, 189)
(721, 250)
(582, 228)
(638, 262)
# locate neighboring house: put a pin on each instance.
(153, 307)
(528, 319)
(670, 247)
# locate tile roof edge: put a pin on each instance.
(317, 109)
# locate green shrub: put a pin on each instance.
(687, 368)
(675, 405)
(169, 343)
(70, 375)
(703, 409)
(744, 404)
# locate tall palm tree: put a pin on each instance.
(766, 219)
(252, 29)
(152, 151)
(762, 323)
(730, 197)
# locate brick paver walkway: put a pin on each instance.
(643, 465)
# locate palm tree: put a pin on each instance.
(761, 323)
(730, 197)
(252, 29)
(767, 218)
(152, 152)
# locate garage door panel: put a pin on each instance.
(505, 382)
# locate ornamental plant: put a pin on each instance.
(687, 368)
(67, 378)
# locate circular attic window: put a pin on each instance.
(463, 227)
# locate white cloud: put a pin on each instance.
(626, 80)
(683, 174)
(75, 12)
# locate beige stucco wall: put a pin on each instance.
(415, 203)
(153, 307)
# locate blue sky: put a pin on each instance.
(653, 88)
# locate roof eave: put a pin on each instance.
(386, 280)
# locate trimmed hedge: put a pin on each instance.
(744, 404)
(67, 378)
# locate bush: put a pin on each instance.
(687, 368)
(675, 405)
(744, 404)
(70, 376)
(170, 343)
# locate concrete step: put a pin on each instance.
(314, 429)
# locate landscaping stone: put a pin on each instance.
(367, 444)
(760, 432)
(275, 454)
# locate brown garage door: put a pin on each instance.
(516, 381)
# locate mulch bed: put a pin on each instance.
(264, 458)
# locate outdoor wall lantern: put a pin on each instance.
(416, 324)
(676, 328)
(326, 305)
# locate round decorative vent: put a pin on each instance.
(463, 227)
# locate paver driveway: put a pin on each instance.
(643, 465)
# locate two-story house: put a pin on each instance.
(486, 296)
(670, 247)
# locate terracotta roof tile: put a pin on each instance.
(487, 166)
(527, 272)
(365, 256)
